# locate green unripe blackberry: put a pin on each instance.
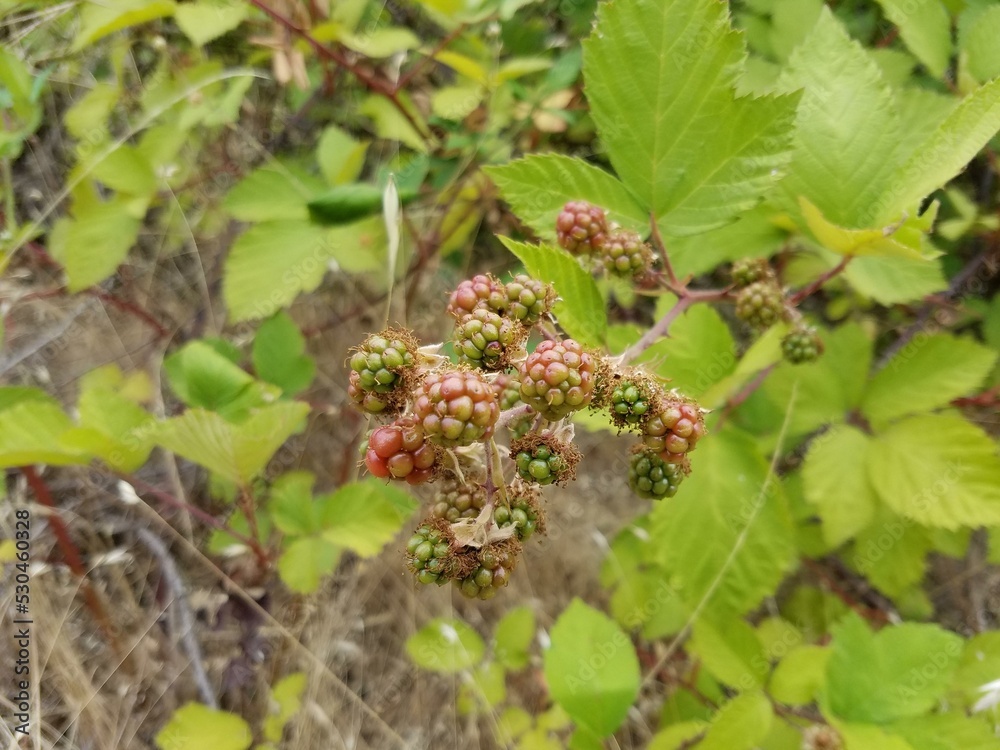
(581, 227)
(630, 402)
(544, 459)
(429, 554)
(486, 339)
(496, 563)
(458, 500)
(748, 270)
(557, 378)
(625, 254)
(651, 477)
(524, 512)
(378, 370)
(507, 390)
(528, 299)
(802, 345)
(761, 304)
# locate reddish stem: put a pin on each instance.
(819, 282)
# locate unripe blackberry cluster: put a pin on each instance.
(446, 414)
(456, 407)
(557, 378)
(748, 270)
(625, 254)
(544, 458)
(378, 369)
(674, 429)
(651, 477)
(581, 227)
(762, 304)
(399, 451)
(802, 344)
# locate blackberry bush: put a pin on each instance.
(761, 304)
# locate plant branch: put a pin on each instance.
(412, 72)
(744, 393)
(673, 284)
(817, 284)
(370, 81)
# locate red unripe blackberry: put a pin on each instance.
(399, 451)
(748, 270)
(674, 429)
(651, 477)
(625, 254)
(557, 378)
(581, 227)
(457, 407)
(528, 299)
(486, 339)
(761, 304)
(802, 345)
(483, 290)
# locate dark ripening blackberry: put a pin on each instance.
(802, 345)
(674, 429)
(544, 459)
(557, 378)
(456, 407)
(378, 370)
(399, 451)
(496, 562)
(625, 254)
(581, 227)
(486, 339)
(651, 477)
(429, 554)
(761, 304)
(528, 299)
(483, 290)
(748, 270)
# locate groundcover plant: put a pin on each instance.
(500, 373)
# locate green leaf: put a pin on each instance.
(891, 552)
(279, 355)
(205, 20)
(740, 724)
(486, 690)
(700, 155)
(272, 263)
(591, 668)
(798, 677)
(866, 737)
(513, 638)
(980, 56)
(286, 700)
(126, 169)
(382, 42)
(274, 191)
(890, 281)
(732, 653)
(980, 664)
(93, 245)
(580, 309)
(947, 731)
(939, 470)
(925, 28)
(445, 646)
(31, 431)
(835, 474)
(97, 20)
(235, 452)
(678, 735)
(755, 234)
(538, 186)
(340, 157)
(306, 561)
(897, 673)
(364, 516)
(202, 377)
(926, 374)
(846, 110)
(726, 495)
(390, 123)
(291, 506)
(946, 151)
(197, 727)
